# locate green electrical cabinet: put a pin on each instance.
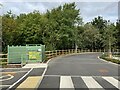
(26, 54)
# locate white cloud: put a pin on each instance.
(60, 0)
(88, 9)
(108, 10)
(36, 6)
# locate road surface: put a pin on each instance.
(81, 71)
(75, 72)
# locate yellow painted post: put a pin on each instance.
(59, 52)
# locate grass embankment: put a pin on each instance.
(105, 57)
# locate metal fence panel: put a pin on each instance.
(26, 54)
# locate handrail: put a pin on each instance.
(2, 58)
(3, 54)
(55, 53)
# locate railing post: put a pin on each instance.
(51, 54)
(104, 50)
(66, 51)
(56, 53)
(69, 51)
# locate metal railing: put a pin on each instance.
(3, 59)
(55, 53)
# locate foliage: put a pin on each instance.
(59, 28)
(105, 57)
(117, 34)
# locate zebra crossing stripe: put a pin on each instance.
(66, 82)
(113, 81)
(90, 82)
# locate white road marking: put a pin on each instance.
(20, 79)
(11, 76)
(90, 82)
(4, 85)
(3, 76)
(112, 80)
(44, 72)
(76, 75)
(108, 62)
(66, 82)
(13, 72)
(42, 76)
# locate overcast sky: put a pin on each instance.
(88, 9)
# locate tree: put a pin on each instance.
(59, 28)
(110, 40)
(91, 37)
(117, 34)
(99, 23)
(61, 25)
(8, 29)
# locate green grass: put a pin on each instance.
(116, 55)
(105, 57)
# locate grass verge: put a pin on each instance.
(105, 57)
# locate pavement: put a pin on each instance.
(74, 72)
(14, 77)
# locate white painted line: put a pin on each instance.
(90, 82)
(4, 85)
(112, 80)
(19, 71)
(53, 75)
(44, 72)
(20, 79)
(12, 72)
(76, 76)
(11, 76)
(108, 61)
(42, 76)
(3, 76)
(66, 82)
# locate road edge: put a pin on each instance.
(108, 61)
(68, 55)
(19, 79)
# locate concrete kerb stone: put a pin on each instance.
(108, 61)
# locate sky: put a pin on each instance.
(89, 9)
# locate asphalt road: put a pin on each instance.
(17, 74)
(72, 72)
(79, 70)
(81, 65)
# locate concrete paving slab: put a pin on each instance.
(35, 65)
